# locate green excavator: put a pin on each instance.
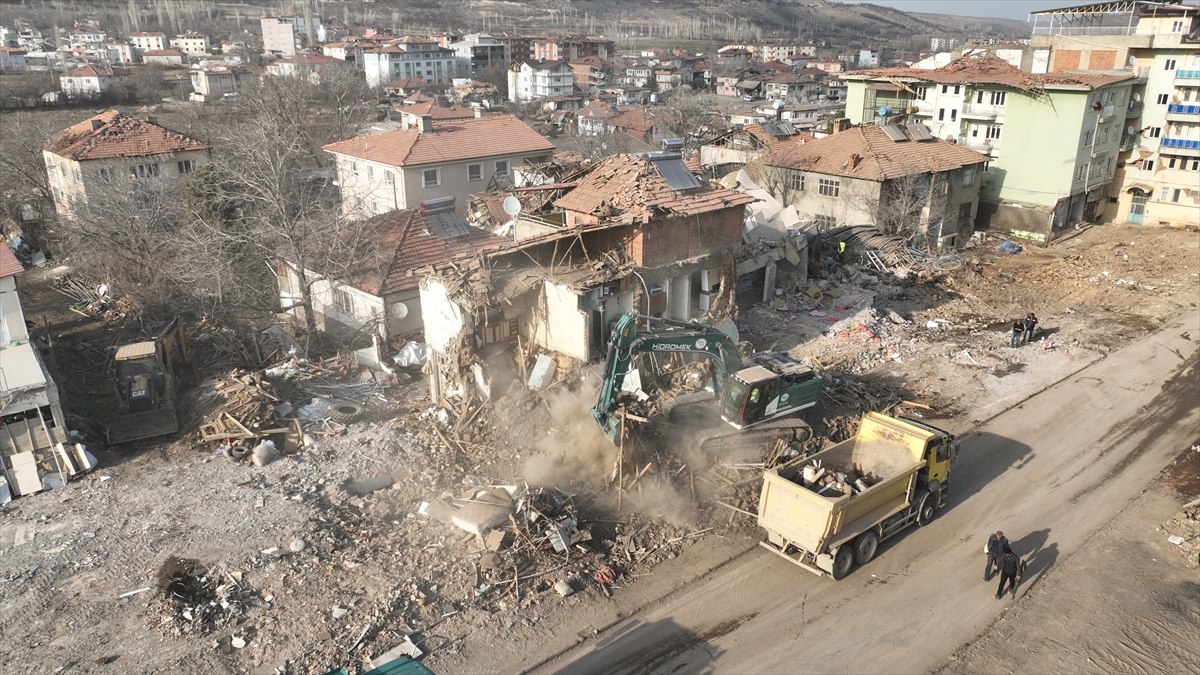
(755, 402)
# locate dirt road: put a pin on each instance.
(1050, 473)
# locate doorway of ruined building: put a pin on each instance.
(751, 288)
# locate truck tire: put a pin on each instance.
(345, 413)
(865, 547)
(843, 560)
(926, 509)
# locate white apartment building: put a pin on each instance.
(192, 44)
(93, 81)
(406, 58)
(540, 79)
(279, 34)
(147, 41)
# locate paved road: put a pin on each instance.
(1048, 473)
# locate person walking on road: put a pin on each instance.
(994, 550)
(1018, 330)
(1010, 570)
(1028, 325)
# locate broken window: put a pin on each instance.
(824, 222)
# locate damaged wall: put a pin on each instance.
(558, 323)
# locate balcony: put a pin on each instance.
(1183, 112)
(1187, 75)
(987, 146)
(1187, 147)
(982, 111)
(1128, 142)
(1133, 109)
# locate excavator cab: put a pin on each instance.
(777, 385)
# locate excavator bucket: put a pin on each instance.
(147, 424)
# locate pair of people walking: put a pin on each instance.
(1023, 329)
(1001, 560)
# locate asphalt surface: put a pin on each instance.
(1049, 473)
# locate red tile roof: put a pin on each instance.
(438, 112)
(989, 69)
(453, 141)
(9, 265)
(405, 244)
(96, 71)
(627, 188)
(868, 153)
(118, 135)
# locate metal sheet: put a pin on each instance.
(676, 174)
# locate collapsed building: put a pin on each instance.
(636, 233)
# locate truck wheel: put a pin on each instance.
(926, 509)
(843, 560)
(865, 547)
(345, 413)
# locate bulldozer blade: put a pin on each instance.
(141, 425)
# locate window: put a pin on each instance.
(353, 168)
(829, 187)
(825, 222)
(998, 97)
(954, 114)
(1166, 192)
(1080, 172)
(941, 114)
(1177, 26)
(1147, 165)
(370, 172)
(796, 181)
(1155, 132)
(431, 177)
(474, 172)
(1171, 163)
(502, 167)
(920, 92)
(343, 301)
(1163, 99)
(1169, 64)
(389, 177)
(144, 171)
(964, 213)
(1087, 138)
(945, 88)
(957, 88)
(968, 176)
(1108, 97)
(1175, 194)
(1195, 165)
(993, 132)
(185, 166)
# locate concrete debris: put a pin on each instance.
(264, 453)
(297, 545)
(543, 373)
(563, 588)
(404, 649)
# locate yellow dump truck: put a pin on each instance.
(831, 510)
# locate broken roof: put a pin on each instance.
(991, 69)
(868, 153)
(451, 141)
(9, 265)
(406, 242)
(118, 135)
(629, 189)
(96, 71)
(437, 111)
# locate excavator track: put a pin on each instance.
(696, 404)
(724, 439)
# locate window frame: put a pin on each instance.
(437, 177)
(796, 181)
(478, 169)
(343, 301)
(968, 176)
(829, 187)
(1147, 164)
(502, 163)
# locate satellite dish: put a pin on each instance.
(1137, 97)
(399, 310)
(512, 206)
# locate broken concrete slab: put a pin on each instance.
(25, 473)
(404, 649)
(542, 373)
(494, 540)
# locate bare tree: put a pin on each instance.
(689, 116)
(911, 206)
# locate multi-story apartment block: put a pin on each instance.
(517, 47)
(539, 79)
(279, 34)
(475, 51)
(1158, 167)
(571, 47)
(191, 43)
(147, 41)
(408, 57)
(1053, 139)
(12, 59)
(112, 149)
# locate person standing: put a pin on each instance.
(994, 549)
(1010, 569)
(1018, 330)
(841, 252)
(1028, 325)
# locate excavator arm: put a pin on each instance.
(626, 342)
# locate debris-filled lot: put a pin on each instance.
(349, 516)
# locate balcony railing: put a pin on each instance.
(1184, 143)
(1128, 141)
(1133, 109)
(1183, 109)
(982, 110)
(1187, 74)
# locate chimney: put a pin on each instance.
(426, 124)
(96, 124)
(480, 113)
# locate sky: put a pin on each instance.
(1004, 9)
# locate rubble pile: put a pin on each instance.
(197, 599)
(834, 481)
(1183, 532)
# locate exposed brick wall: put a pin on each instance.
(1067, 59)
(1102, 59)
(667, 241)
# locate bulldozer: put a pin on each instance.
(147, 376)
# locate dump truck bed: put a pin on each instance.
(148, 424)
(888, 450)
